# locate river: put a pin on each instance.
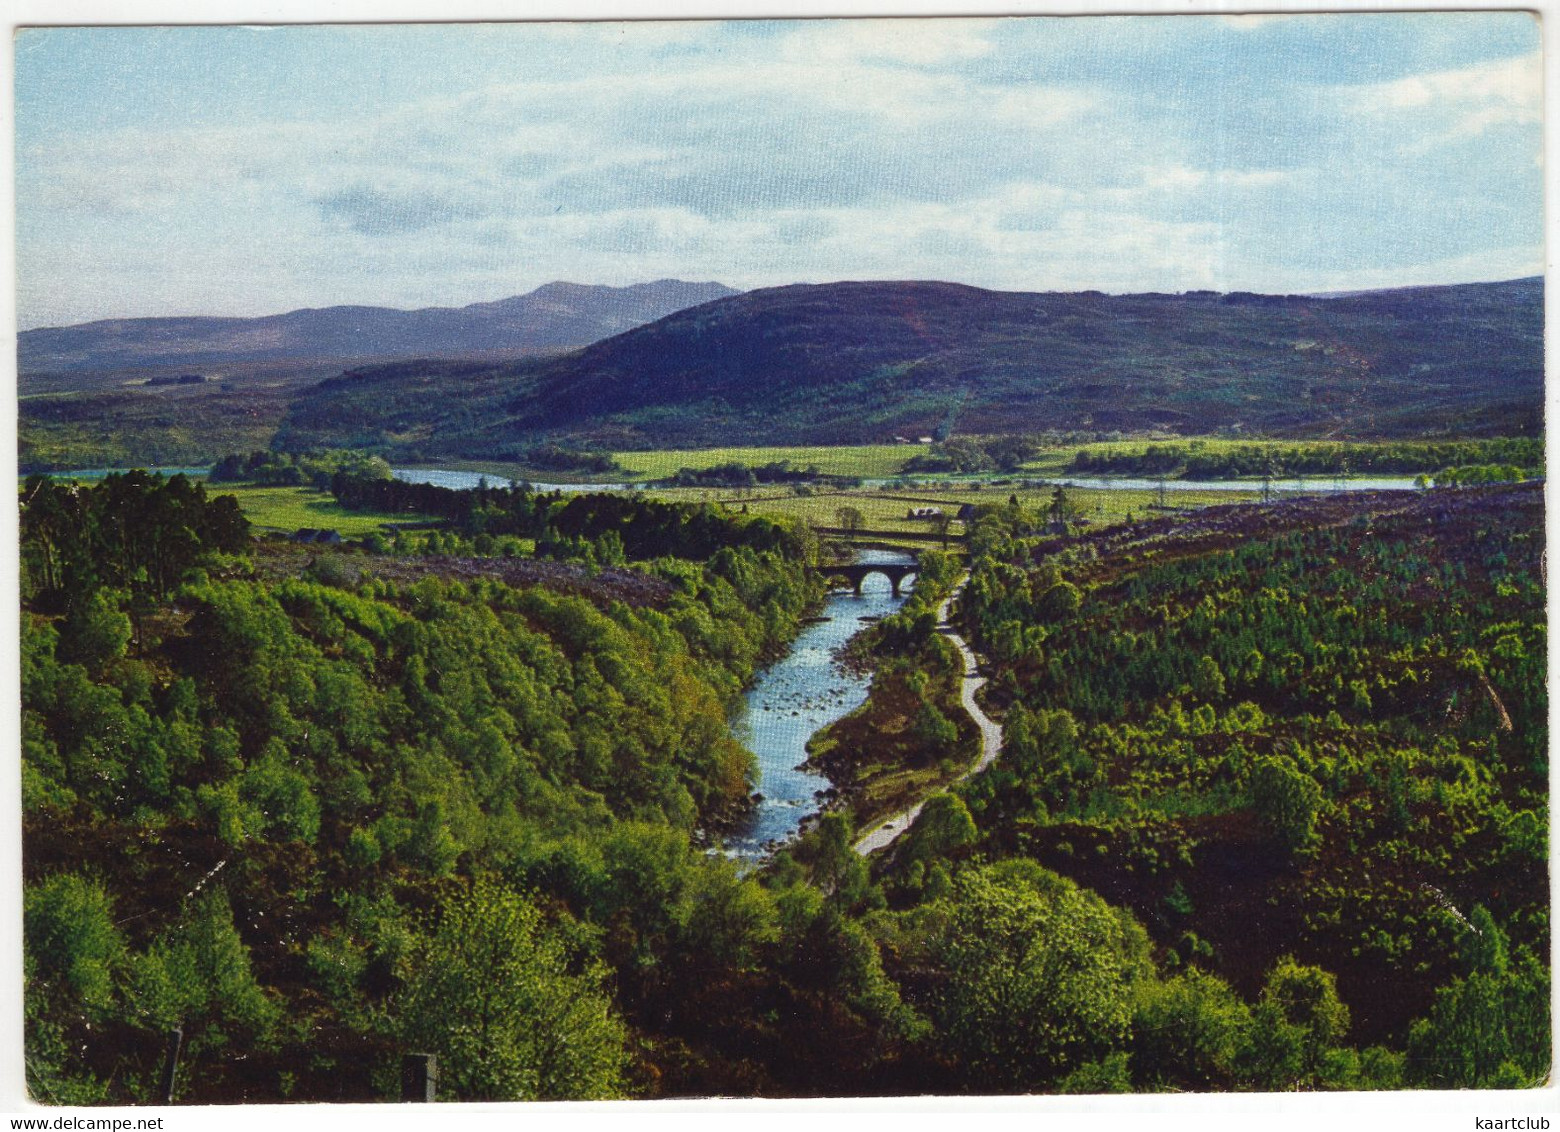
(453, 479)
(104, 473)
(464, 481)
(443, 477)
(796, 697)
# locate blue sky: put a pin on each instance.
(256, 170)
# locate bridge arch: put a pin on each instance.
(857, 573)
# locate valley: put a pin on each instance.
(1209, 718)
(928, 564)
(1270, 712)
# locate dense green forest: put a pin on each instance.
(1272, 812)
(329, 755)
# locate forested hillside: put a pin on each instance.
(245, 794)
(1316, 729)
(840, 363)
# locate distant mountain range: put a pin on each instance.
(864, 362)
(557, 316)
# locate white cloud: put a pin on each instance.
(495, 148)
(1251, 21)
(908, 41)
(1175, 177)
(829, 149)
(1470, 100)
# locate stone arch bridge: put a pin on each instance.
(856, 573)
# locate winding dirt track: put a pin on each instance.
(885, 834)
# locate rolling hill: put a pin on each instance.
(557, 316)
(863, 362)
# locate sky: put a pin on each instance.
(253, 170)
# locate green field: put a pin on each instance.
(869, 461)
(290, 508)
(886, 461)
(1115, 506)
(821, 508)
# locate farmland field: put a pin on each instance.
(869, 461)
(289, 508)
(886, 509)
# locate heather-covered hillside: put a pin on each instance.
(863, 362)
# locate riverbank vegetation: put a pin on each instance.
(286, 469)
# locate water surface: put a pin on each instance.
(445, 478)
(465, 481)
(103, 473)
(796, 697)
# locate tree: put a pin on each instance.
(1062, 511)
(1039, 975)
(282, 795)
(1188, 1032)
(941, 522)
(508, 1003)
(944, 825)
(1208, 680)
(836, 868)
(1298, 1022)
(96, 631)
(850, 518)
(1061, 602)
(1287, 801)
(935, 731)
(1489, 1028)
(729, 920)
(71, 939)
(197, 976)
